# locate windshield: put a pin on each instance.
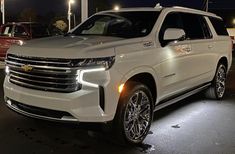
(119, 24)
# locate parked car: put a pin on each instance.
(16, 33)
(231, 32)
(118, 67)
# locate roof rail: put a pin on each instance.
(192, 9)
(181, 7)
(158, 6)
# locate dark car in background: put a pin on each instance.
(17, 33)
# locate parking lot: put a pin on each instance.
(194, 125)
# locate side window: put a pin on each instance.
(205, 28)
(219, 26)
(20, 31)
(192, 26)
(172, 20)
(98, 27)
(7, 30)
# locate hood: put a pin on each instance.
(68, 47)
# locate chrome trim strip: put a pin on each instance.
(170, 102)
(43, 71)
(170, 75)
(51, 83)
(36, 61)
(42, 87)
(64, 119)
(43, 77)
(38, 66)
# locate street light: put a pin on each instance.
(116, 7)
(3, 11)
(234, 21)
(70, 2)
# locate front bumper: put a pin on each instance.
(85, 105)
(39, 113)
(2, 64)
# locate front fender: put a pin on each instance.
(140, 70)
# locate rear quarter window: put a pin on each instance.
(6, 30)
(219, 26)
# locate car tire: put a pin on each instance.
(134, 114)
(217, 88)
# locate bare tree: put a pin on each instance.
(28, 14)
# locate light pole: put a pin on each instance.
(207, 5)
(70, 2)
(84, 9)
(3, 11)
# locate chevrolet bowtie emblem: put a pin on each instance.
(27, 68)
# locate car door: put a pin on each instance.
(186, 63)
(201, 56)
(6, 40)
(20, 33)
(176, 67)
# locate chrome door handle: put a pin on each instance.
(210, 46)
(188, 49)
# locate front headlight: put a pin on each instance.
(106, 62)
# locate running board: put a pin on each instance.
(174, 100)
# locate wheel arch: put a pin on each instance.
(223, 60)
(145, 76)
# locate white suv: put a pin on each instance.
(120, 67)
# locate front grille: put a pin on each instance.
(47, 74)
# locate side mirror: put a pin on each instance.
(172, 34)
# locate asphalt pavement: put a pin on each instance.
(194, 125)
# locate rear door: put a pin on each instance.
(21, 33)
(202, 56)
(186, 63)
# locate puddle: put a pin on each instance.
(176, 126)
(150, 133)
(146, 148)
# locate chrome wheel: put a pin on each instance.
(220, 81)
(137, 117)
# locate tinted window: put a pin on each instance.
(172, 20)
(119, 24)
(20, 31)
(7, 30)
(205, 27)
(219, 26)
(192, 26)
(195, 26)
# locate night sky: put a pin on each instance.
(59, 7)
(44, 6)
